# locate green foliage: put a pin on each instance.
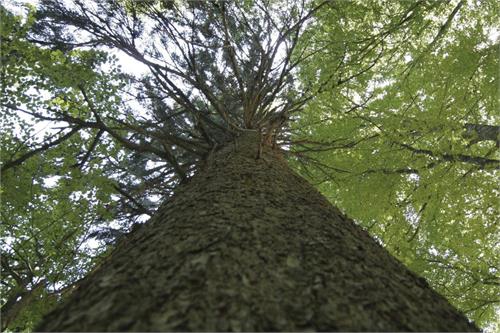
(401, 163)
(50, 204)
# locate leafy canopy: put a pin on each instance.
(410, 144)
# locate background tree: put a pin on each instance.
(233, 74)
(57, 181)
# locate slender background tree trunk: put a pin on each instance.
(249, 245)
(19, 301)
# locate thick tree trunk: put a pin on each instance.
(249, 245)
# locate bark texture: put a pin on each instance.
(249, 245)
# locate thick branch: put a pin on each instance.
(481, 161)
(20, 160)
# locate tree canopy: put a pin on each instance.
(415, 138)
(390, 109)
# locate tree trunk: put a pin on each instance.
(19, 301)
(249, 245)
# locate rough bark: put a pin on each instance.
(249, 245)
